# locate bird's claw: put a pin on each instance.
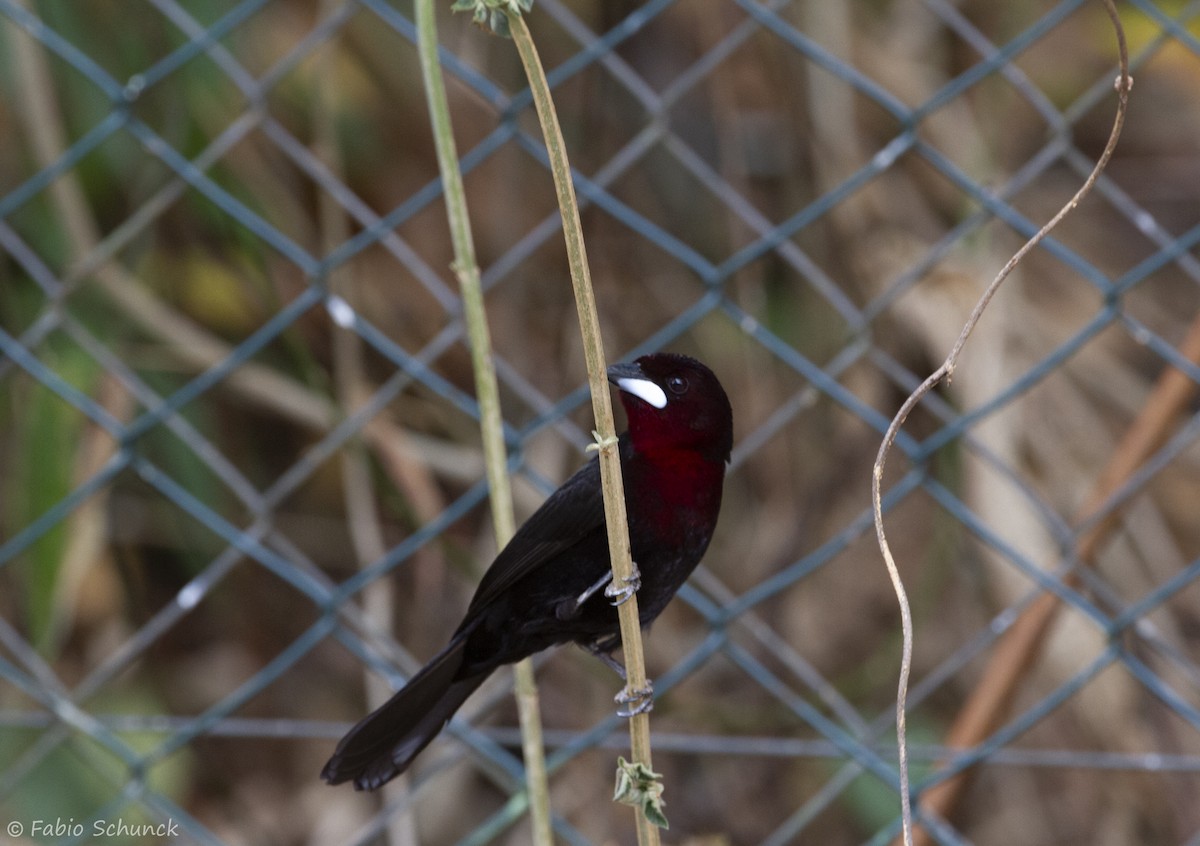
(620, 594)
(568, 608)
(635, 700)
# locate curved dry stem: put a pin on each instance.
(1123, 85)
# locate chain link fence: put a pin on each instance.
(242, 494)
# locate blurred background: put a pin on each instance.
(242, 496)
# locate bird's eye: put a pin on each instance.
(677, 384)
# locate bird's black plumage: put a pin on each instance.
(673, 464)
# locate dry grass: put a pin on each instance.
(779, 132)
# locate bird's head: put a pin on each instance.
(673, 401)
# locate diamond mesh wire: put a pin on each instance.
(242, 491)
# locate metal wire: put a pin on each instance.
(665, 71)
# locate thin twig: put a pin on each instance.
(1123, 85)
(491, 423)
(350, 382)
(1016, 650)
(593, 348)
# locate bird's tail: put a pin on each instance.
(384, 742)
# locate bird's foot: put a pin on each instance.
(568, 608)
(602, 651)
(636, 700)
(620, 594)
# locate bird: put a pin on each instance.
(543, 588)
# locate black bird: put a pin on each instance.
(542, 588)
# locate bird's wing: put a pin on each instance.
(572, 512)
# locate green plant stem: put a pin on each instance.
(593, 349)
(491, 423)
